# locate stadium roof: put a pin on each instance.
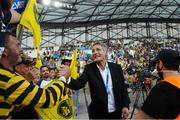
(98, 12)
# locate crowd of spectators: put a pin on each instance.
(132, 57)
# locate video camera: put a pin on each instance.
(144, 73)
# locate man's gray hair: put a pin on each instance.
(102, 45)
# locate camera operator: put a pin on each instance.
(163, 100)
(145, 77)
(132, 67)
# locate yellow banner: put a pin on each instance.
(73, 66)
(38, 61)
(29, 20)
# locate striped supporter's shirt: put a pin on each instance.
(15, 90)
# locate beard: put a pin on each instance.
(15, 61)
(160, 73)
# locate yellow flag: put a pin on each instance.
(74, 72)
(38, 61)
(73, 66)
(29, 20)
(62, 110)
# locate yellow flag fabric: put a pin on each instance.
(73, 65)
(29, 20)
(62, 110)
(38, 61)
(73, 68)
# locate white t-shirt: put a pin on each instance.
(44, 83)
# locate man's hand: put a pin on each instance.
(65, 71)
(125, 113)
(33, 74)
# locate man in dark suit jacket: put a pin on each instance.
(106, 82)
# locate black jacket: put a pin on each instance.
(99, 103)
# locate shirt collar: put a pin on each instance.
(105, 67)
(2, 67)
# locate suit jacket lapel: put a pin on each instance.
(113, 75)
(98, 74)
(112, 71)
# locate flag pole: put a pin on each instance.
(20, 34)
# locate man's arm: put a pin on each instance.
(125, 96)
(15, 18)
(20, 92)
(79, 82)
(72, 83)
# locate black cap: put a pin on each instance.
(66, 59)
(169, 57)
(26, 60)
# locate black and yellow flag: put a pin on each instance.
(62, 110)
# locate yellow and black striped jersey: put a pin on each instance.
(15, 91)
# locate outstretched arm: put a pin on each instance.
(15, 18)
